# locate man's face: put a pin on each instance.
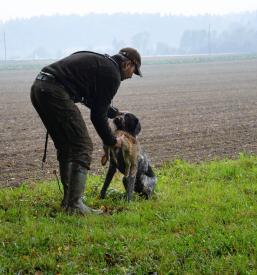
(128, 68)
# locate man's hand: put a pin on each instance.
(121, 113)
(119, 141)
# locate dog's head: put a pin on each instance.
(126, 122)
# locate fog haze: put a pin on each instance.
(152, 34)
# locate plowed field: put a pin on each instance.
(193, 111)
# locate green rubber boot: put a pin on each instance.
(77, 182)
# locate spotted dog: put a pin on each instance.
(130, 160)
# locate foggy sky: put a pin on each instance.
(28, 8)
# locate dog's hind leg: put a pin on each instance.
(148, 184)
(110, 173)
(148, 181)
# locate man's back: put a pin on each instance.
(87, 74)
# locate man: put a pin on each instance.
(93, 80)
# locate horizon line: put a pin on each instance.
(127, 13)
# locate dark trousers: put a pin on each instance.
(63, 122)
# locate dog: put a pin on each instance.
(130, 149)
(129, 159)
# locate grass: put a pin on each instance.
(201, 220)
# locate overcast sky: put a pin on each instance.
(11, 9)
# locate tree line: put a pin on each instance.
(151, 34)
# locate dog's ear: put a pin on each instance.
(137, 127)
(132, 124)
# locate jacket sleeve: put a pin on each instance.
(100, 109)
(100, 121)
(112, 112)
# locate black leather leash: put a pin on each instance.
(45, 151)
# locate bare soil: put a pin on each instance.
(193, 112)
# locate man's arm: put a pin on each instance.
(101, 109)
(107, 86)
(100, 121)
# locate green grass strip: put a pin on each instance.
(201, 220)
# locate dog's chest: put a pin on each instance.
(120, 164)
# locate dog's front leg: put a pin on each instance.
(131, 182)
(130, 186)
(110, 173)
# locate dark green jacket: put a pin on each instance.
(92, 79)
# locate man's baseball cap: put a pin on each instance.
(134, 56)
